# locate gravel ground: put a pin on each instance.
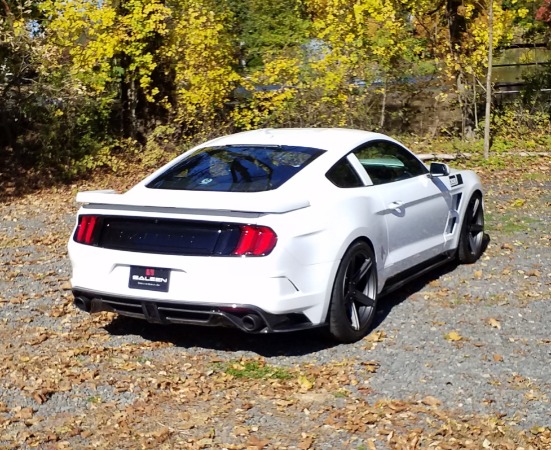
(471, 343)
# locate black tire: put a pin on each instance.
(354, 295)
(471, 240)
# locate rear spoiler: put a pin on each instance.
(249, 202)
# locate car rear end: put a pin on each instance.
(245, 258)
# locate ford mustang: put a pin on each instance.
(274, 230)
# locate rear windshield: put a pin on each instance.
(236, 168)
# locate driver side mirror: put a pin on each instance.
(439, 169)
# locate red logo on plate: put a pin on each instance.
(149, 272)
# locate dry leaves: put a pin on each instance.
(370, 366)
(453, 336)
(129, 391)
(431, 401)
(493, 323)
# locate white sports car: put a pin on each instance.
(274, 230)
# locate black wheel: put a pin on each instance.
(471, 240)
(354, 295)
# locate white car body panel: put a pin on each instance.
(266, 202)
(407, 222)
(418, 202)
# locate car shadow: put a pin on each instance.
(393, 299)
(298, 343)
(389, 301)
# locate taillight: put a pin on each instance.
(255, 241)
(85, 229)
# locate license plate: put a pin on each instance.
(149, 278)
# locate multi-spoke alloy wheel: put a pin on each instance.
(471, 241)
(354, 295)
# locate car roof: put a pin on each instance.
(340, 140)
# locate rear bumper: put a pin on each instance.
(248, 318)
(277, 284)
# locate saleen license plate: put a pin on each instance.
(149, 278)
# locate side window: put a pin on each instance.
(343, 175)
(386, 162)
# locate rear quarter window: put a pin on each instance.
(236, 168)
(343, 175)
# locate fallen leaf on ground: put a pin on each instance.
(453, 336)
(371, 366)
(306, 443)
(305, 383)
(429, 400)
(257, 443)
(376, 336)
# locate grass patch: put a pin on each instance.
(508, 223)
(342, 393)
(256, 370)
(492, 299)
(535, 176)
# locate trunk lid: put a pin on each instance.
(268, 202)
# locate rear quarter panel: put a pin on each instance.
(322, 233)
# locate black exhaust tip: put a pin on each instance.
(83, 303)
(252, 322)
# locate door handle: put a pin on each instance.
(395, 205)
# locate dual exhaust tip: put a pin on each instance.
(83, 303)
(250, 323)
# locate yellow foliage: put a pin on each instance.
(271, 91)
(470, 55)
(362, 41)
(200, 51)
(97, 35)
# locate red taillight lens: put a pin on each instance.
(85, 230)
(255, 241)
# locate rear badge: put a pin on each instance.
(149, 278)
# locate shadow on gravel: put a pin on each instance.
(268, 345)
(224, 339)
(284, 344)
(389, 301)
(393, 299)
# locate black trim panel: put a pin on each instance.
(169, 312)
(166, 236)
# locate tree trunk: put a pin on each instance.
(457, 26)
(489, 81)
(132, 108)
(383, 106)
(475, 109)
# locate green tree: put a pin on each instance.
(45, 119)
(16, 68)
(456, 32)
(264, 28)
(271, 39)
(200, 52)
(113, 50)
